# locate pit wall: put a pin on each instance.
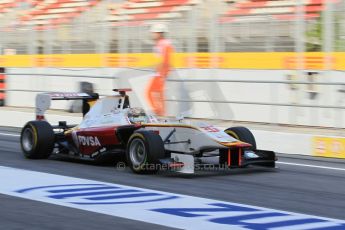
(23, 89)
(133, 70)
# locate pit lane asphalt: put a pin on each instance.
(296, 188)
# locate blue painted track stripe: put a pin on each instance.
(53, 186)
(82, 194)
(82, 189)
(124, 196)
(126, 202)
(171, 210)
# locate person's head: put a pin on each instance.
(158, 31)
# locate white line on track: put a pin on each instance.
(310, 166)
(10, 134)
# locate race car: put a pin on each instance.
(111, 126)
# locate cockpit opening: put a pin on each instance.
(137, 116)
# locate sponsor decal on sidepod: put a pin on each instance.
(89, 141)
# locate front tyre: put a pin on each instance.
(242, 134)
(37, 140)
(144, 150)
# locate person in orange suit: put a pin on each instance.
(164, 49)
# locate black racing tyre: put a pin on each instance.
(242, 134)
(144, 149)
(37, 140)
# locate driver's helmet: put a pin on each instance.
(137, 115)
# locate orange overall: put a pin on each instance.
(156, 88)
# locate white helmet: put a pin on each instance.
(159, 28)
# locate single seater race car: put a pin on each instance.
(111, 126)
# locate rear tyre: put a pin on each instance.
(37, 140)
(242, 134)
(144, 150)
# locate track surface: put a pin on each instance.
(297, 188)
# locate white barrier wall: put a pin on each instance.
(245, 92)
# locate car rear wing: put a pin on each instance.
(43, 101)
